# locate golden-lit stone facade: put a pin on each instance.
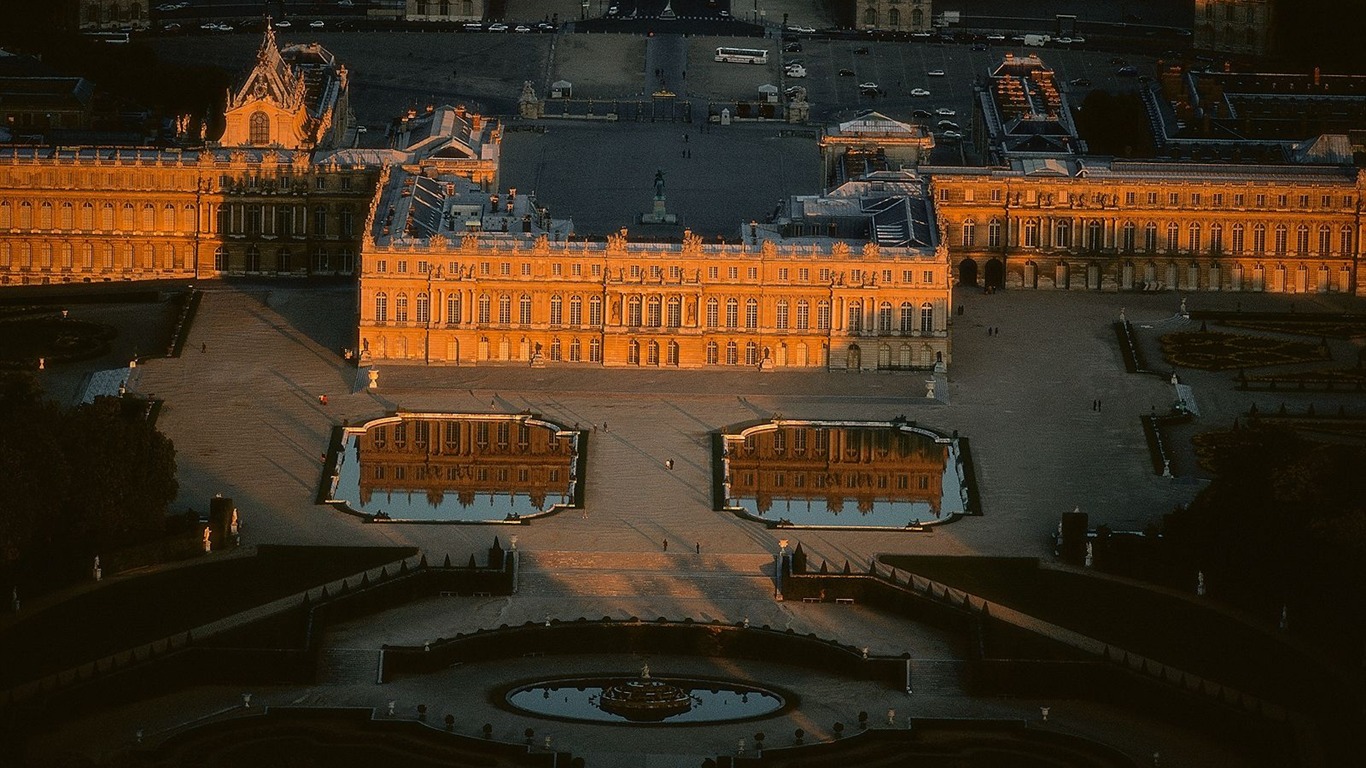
(465, 456)
(1242, 27)
(1117, 225)
(97, 214)
(535, 297)
(895, 15)
(835, 464)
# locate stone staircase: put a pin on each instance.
(636, 574)
(934, 677)
(347, 666)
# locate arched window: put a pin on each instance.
(1236, 244)
(576, 310)
(855, 324)
(907, 317)
(1193, 240)
(1062, 235)
(524, 309)
(69, 256)
(555, 350)
(556, 310)
(1259, 238)
(595, 311)
(595, 350)
(870, 17)
(712, 313)
(253, 259)
(505, 309)
(401, 308)
(149, 218)
(1173, 237)
(894, 18)
(381, 307)
(1216, 238)
(88, 256)
(673, 353)
(424, 309)
(575, 350)
(732, 312)
(1031, 233)
(633, 311)
(969, 233)
(220, 260)
(1095, 235)
(732, 354)
(1282, 235)
(320, 221)
(674, 317)
(453, 308)
(927, 318)
(1302, 239)
(917, 18)
(652, 353)
(655, 307)
(260, 129)
(483, 309)
(751, 313)
(168, 218)
(1325, 239)
(633, 353)
(107, 217)
(751, 353)
(781, 321)
(884, 318)
(994, 233)
(713, 356)
(1347, 240)
(87, 216)
(823, 315)
(1129, 234)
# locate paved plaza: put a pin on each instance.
(247, 422)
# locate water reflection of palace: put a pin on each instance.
(868, 465)
(467, 457)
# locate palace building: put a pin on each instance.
(853, 280)
(1102, 224)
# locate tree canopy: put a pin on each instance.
(77, 481)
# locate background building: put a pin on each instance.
(1238, 27)
(444, 10)
(895, 15)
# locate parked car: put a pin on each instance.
(1080, 82)
(919, 92)
(521, 28)
(921, 114)
(951, 135)
(316, 25)
(795, 71)
(280, 24)
(946, 112)
(805, 30)
(861, 51)
(792, 48)
(935, 73)
(498, 26)
(1127, 70)
(846, 73)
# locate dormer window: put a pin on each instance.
(260, 129)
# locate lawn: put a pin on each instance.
(128, 612)
(1182, 633)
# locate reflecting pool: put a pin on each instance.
(599, 700)
(870, 474)
(456, 468)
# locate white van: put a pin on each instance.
(796, 70)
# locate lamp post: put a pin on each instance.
(778, 571)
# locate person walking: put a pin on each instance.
(666, 545)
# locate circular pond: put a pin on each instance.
(670, 701)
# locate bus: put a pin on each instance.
(108, 37)
(742, 55)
